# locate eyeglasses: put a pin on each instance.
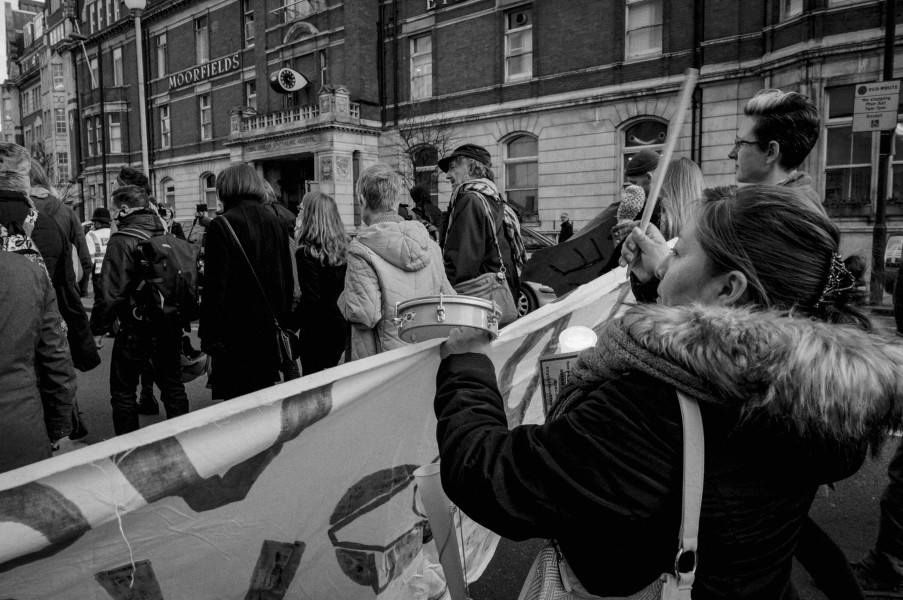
(738, 142)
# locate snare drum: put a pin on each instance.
(433, 317)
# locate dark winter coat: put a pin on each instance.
(36, 376)
(236, 327)
(469, 249)
(322, 328)
(68, 223)
(57, 252)
(119, 276)
(793, 406)
(567, 230)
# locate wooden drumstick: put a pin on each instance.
(674, 127)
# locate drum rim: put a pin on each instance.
(452, 299)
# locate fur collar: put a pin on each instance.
(830, 380)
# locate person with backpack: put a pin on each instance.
(149, 283)
(481, 238)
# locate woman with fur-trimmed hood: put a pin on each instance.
(752, 324)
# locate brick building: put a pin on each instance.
(561, 94)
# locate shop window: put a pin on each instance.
(644, 28)
(640, 135)
(519, 44)
(522, 175)
(421, 67)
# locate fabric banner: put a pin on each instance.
(302, 490)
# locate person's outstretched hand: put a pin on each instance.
(462, 341)
(643, 252)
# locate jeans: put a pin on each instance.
(131, 352)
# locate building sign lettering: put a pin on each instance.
(213, 68)
(270, 146)
(875, 106)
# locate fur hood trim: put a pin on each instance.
(829, 380)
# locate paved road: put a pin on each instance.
(849, 514)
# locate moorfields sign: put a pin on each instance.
(205, 71)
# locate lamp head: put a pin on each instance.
(135, 4)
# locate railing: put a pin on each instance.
(294, 117)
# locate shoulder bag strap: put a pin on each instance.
(253, 272)
(693, 469)
(487, 204)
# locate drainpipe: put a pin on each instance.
(103, 126)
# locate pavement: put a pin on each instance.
(849, 513)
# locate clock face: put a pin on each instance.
(287, 79)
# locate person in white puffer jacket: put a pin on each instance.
(391, 260)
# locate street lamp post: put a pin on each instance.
(136, 7)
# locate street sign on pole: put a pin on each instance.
(875, 106)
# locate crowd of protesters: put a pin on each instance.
(283, 295)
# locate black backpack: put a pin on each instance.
(168, 272)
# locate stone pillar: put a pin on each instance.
(343, 175)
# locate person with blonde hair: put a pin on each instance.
(792, 394)
(322, 246)
(390, 260)
(236, 324)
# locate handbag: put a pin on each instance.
(550, 577)
(492, 286)
(287, 342)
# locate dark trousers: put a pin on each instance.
(131, 352)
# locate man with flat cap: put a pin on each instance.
(474, 237)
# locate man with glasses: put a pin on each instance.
(775, 136)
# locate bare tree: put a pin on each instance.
(421, 139)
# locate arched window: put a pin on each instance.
(640, 135)
(169, 191)
(426, 161)
(522, 176)
(208, 183)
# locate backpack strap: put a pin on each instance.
(691, 493)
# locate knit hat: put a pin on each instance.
(641, 163)
(101, 214)
(632, 201)
(15, 166)
(478, 153)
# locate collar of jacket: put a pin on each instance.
(9, 196)
(833, 380)
(242, 201)
(387, 217)
(143, 219)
